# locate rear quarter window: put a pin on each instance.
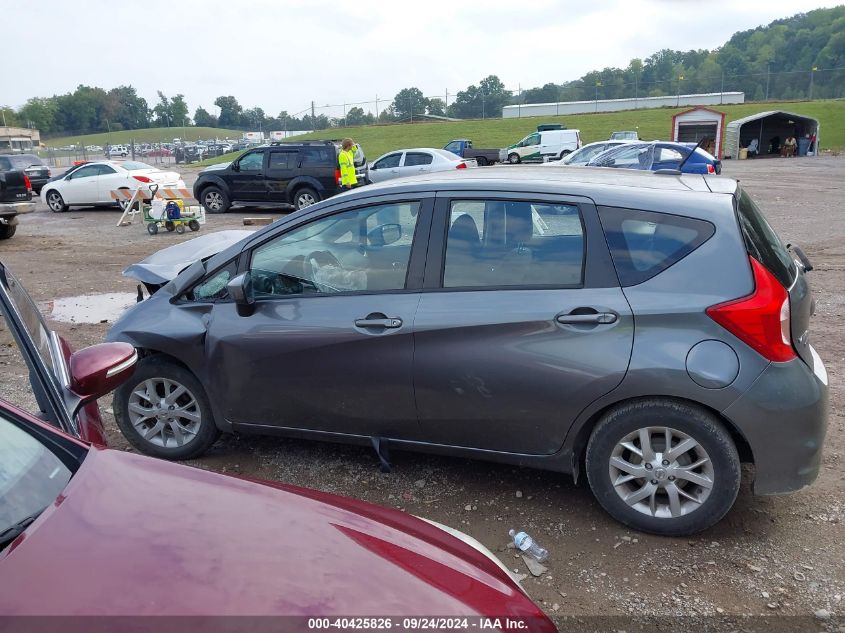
(643, 243)
(761, 241)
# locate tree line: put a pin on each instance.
(794, 58)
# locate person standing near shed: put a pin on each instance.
(346, 164)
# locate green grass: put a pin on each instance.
(148, 135)
(651, 124)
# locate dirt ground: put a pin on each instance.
(769, 556)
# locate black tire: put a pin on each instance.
(514, 158)
(696, 423)
(482, 162)
(152, 228)
(7, 231)
(180, 228)
(193, 225)
(169, 226)
(56, 202)
(215, 200)
(161, 367)
(305, 197)
(565, 153)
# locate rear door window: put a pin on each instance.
(413, 159)
(762, 243)
(644, 244)
(501, 243)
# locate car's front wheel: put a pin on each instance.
(56, 202)
(163, 411)
(513, 159)
(215, 200)
(663, 467)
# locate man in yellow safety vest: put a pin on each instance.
(346, 163)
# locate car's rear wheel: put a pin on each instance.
(163, 411)
(565, 153)
(513, 159)
(7, 231)
(215, 200)
(305, 197)
(663, 466)
(482, 162)
(56, 202)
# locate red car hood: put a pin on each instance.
(133, 535)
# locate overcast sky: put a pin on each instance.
(281, 54)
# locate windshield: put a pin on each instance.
(133, 166)
(25, 160)
(31, 477)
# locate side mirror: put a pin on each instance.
(240, 289)
(235, 166)
(100, 369)
(384, 235)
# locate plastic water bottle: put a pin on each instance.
(527, 545)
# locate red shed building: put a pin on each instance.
(696, 124)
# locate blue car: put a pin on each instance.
(658, 155)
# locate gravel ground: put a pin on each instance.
(769, 556)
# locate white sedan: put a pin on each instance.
(411, 162)
(93, 183)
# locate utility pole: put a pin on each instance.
(768, 73)
(447, 98)
(812, 71)
(344, 114)
(519, 101)
(722, 89)
(313, 118)
(482, 105)
(636, 93)
(598, 83)
(680, 79)
(411, 103)
(377, 113)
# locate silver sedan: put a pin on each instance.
(411, 162)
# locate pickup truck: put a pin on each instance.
(15, 198)
(463, 148)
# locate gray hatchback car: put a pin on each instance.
(649, 330)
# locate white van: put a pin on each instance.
(543, 145)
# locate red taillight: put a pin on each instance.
(461, 166)
(761, 320)
(142, 179)
(337, 177)
(711, 169)
(27, 182)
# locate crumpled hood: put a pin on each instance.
(131, 535)
(164, 265)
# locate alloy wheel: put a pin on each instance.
(306, 200)
(213, 201)
(54, 201)
(164, 412)
(661, 472)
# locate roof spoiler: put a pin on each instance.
(679, 169)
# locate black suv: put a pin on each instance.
(292, 173)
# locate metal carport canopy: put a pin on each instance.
(733, 130)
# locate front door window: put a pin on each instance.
(363, 250)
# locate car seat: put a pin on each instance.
(463, 264)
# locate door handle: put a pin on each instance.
(385, 323)
(586, 319)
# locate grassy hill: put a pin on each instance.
(148, 135)
(651, 124)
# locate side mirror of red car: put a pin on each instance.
(99, 369)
